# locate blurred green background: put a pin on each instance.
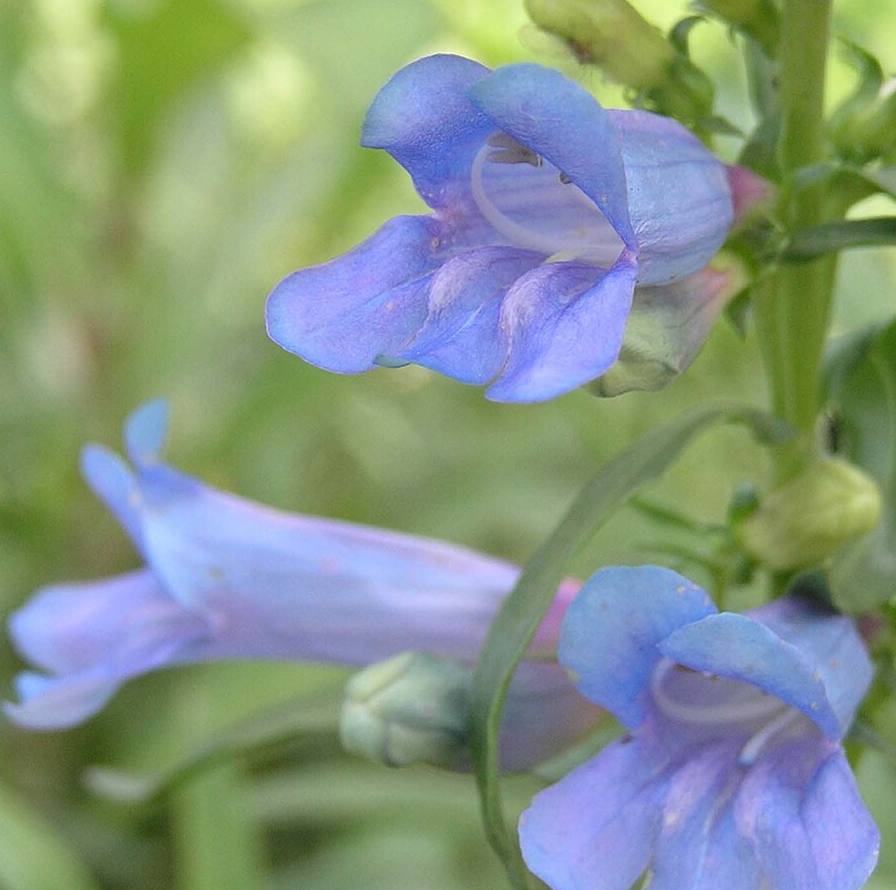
(162, 166)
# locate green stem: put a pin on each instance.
(793, 303)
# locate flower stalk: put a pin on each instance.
(793, 304)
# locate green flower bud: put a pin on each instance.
(804, 521)
(668, 325)
(757, 18)
(412, 708)
(610, 34)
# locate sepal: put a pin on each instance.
(804, 521)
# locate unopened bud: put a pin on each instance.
(610, 34)
(415, 708)
(668, 325)
(412, 708)
(757, 18)
(804, 521)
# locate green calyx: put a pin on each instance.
(801, 523)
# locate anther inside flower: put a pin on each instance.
(732, 773)
(538, 207)
(712, 707)
(548, 211)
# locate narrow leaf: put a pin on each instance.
(305, 716)
(522, 612)
(809, 244)
(862, 384)
(32, 856)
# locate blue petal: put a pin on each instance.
(424, 118)
(94, 637)
(700, 847)
(48, 703)
(563, 123)
(71, 627)
(145, 432)
(543, 716)
(113, 481)
(679, 196)
(341, 315)
(565, 322)
(800, 807)
(461, 336)
(283, 586)
(596, 828)
(611, 632)
(832, 644)
(742, 649)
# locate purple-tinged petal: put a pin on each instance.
(95, 636)
(50, 703)
(596, 828)
(543, 716)
(833, 645)
(700, 847)
(461, 334)
(113, 482)
(562, 122)
(740, 648)
(612, 629)
(679, 199)
(145, 432)
(344, 313)
(424, 118)
(73, 627)
(801, 809)
(284, 586)
(565, 323)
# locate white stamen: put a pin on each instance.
(594, 242)
(754, 746)
(755, 707)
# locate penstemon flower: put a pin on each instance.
(226, 578)
(548, 211)
(733, 774)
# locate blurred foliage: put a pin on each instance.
(162, 164)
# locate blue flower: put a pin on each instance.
(733, 775)
(229, 579)
(548, 210)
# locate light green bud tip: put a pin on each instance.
(412, 708)
(804, 521)
(610, 34)
(668, 326)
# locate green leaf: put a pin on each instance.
(809, 244)
(304, 716)
(848, 183)
(32, 855)
(219, 838)
(861, 375)
(522, 612)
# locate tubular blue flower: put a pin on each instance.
(732, 774)
(548, 210)
(229, 579)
